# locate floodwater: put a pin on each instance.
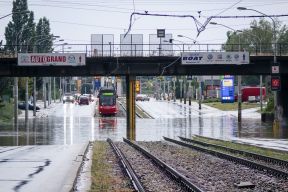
(69, 124)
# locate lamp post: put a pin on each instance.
(239, 98)
(43, 39)
(200, 91)
(193, 40)
(276, 119)
(261, 77)
(171, 42)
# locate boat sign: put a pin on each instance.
(51, 59)
(212, 58)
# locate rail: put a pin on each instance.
(148, 50)
(245, 153)
(251, 164)
(169, 170)
(128, 168)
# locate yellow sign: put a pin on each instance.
(137, 86)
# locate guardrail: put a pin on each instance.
(148, 50)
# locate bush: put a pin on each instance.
(6, 111)
(211, 100)
(270, 106)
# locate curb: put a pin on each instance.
(74, 186)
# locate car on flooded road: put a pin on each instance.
(142, 97)
(68, 97)
(83, 100)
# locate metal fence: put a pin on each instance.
(134, 49)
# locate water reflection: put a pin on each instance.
(107, 123)
(70, 127)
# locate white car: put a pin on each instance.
(68, 98)
(142, 97)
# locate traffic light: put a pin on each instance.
(137, 86)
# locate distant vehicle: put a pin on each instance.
(252, 92)
(107, 101)
(83, 100)
(30, 106)
(68, 97)
(142, 97)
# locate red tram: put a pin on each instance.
(107, 101)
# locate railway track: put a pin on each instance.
(266, 159)
(127, 167)
(161, 175)
(263, 168)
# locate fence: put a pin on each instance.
(154, 50)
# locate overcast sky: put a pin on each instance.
(75, 21)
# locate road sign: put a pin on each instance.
(161, 33)
(275, 83)
(275, 69)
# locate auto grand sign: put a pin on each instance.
(51, 59)
(238, 58)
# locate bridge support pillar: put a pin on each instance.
(282, 95)
(130, 106)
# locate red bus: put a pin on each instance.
(107, 101)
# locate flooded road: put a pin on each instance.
(68, 124)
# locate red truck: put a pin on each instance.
(252, 92)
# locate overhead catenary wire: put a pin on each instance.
(199, 26)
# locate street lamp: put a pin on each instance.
(239, 76)
(171, 42)
(276, 121)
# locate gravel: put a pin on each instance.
(152, 178)
(211, 173)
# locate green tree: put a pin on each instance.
(18, 31)
(43, 38)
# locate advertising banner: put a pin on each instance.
(51, 59)
(212, 58)
(227, 90)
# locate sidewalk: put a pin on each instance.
(43, 112)
(205, 109)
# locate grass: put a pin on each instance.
(254, 149)
(103, 176)
(99, 170)
(6, 112)
(231, 106)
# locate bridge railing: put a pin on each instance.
(149, 50)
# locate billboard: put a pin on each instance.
(51, 59)
(238, 58)
(102, 45)
(227, 89)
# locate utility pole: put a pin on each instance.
(180, 81)
(185, 87)
(15, 100)
(54, 92)
(200, 93)
(34, 96)
(26, 99)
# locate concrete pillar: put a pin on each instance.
(130, 107)
(282, 101)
